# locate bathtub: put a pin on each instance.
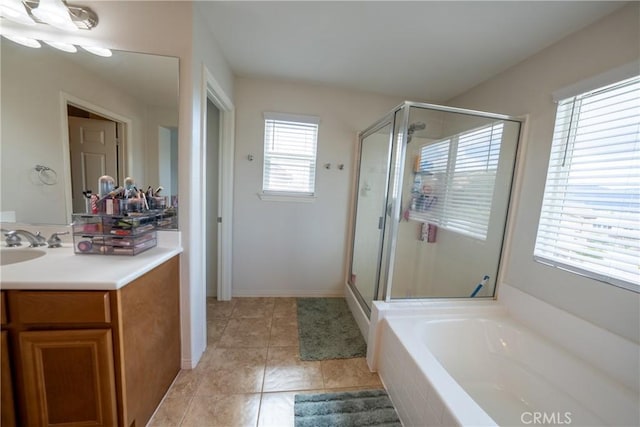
(481, 367)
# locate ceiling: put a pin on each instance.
(418, 50)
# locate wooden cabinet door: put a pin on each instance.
(7, 406)
(68, 377)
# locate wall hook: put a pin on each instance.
(250, 157)
(327, 165)
(341, 166)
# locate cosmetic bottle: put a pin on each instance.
(106, 185)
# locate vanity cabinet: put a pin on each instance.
(7, 405)
(100, 358)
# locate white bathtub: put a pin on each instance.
(456, 366)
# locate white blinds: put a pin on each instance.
(290, 144)
(458, 179)
(590, 219)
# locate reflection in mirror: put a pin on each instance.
(79, 116)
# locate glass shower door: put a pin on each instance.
(371, 201)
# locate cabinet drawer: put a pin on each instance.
(63, 307)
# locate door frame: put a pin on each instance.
(212, 90)
(123, 123)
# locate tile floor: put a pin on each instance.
(251, 370)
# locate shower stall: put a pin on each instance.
(431, 199)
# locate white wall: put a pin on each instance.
(526, 89)
(293, 248)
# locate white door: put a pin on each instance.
(93, 149)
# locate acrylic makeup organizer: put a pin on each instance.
(113, 234)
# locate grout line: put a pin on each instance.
(264, 372)
(184, 415)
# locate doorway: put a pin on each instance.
(212, 174)
(95, 150)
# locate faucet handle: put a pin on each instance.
(55, 241)
(12, 239)
(40, 239)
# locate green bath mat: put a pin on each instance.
(327, 330)
(369, 408)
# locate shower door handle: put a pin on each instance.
(380, 222)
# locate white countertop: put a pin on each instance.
(60, 268)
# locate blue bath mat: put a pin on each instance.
(327, 330)
(371, 408)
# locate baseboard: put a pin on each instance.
(291, 293)
(186, 364)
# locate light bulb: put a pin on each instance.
(100, 51)
(65, 47)
(54, 13)
(24, 41)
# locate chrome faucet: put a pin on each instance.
(35, 240)
(55, 241)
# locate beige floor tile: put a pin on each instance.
(276, 409)
(284, 332)
(185, 384)
(341, 373)
(241, 380)
(171, 412)
(232, 371)
(239, 410)
(215, 328)
(217, 308)
(285, 307)
(234, 358)
(285, 371)
(253, 307)
(246, 332)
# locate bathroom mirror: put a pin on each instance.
(55, 104)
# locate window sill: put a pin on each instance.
(287, 197)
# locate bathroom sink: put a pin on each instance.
(15, 255)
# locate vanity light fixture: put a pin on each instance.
(24, 41)
(54, 13)
(14, 10)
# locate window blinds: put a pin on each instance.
(457, 181)
(290, 144)
(590, 218)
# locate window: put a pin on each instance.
(456, 179)
(290, 143)
(590, 218)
